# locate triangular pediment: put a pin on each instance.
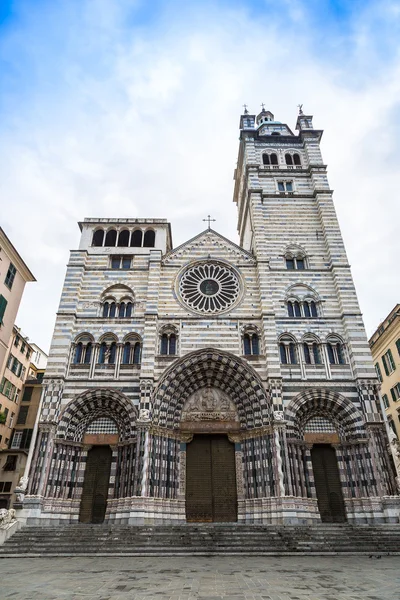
(209, 243)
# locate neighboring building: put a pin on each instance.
(13, 460)
(385, 348)
(13, 275)
(216, 382)
(15, 372)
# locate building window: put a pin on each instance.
(15, 366)
(9, 280)
(378, 372)
(251, 344)
(295, 263)
(395, 392)
(137, 239)
(3, 306)
(5, 487)
(288, 352)
(168, 343)
(8, 389)
(131, 353)
(111, 238)
(385, 401)
(121, 262)
(83, 353)
(285, 186)
(27, 394)
(270, 159)
(307, 309)
(149, 239)
(123, 238)
(388, 363)
(16, 440)
(98, 238)
(312, 354)
(10, 463)
(336, 353)
(107, 353)
(398, 346)
(112, 309)
(17, 341)
(23, 414)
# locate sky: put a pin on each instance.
(126, 108)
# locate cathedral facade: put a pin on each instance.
(216, 382)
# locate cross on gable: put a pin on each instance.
(209, 219)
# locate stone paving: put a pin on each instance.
(203, 578)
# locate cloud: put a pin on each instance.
(114, 109)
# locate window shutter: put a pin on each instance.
(392, 391)
(22, 415)
(385, 364)
(378, 371)
(27, 394)
(392, 363)
(3, 306)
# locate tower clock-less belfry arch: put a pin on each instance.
(216, 382)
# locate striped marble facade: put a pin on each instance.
(279, 406)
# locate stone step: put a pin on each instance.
(206, 540)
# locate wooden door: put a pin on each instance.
(95, 485)
(211, 480)
(327, 484)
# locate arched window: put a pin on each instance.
(295, 263)
(288, 351)
(172, 344)
(137, 351)
(290, 309)
(164, 344)
(122, 310)
(274, 159)
(296, 159)
(251, 344)
(128, 309)
(168, 344)
(111, 238)
(312, 355)
(88, 353)
(288, 159)
(265, 158)
(336, 354)
(313, 306)
(78, 353)
(137, 238)
(98, 238)
(149, 239)
(297, 311)
(307, 312)
(112, 353)
(126, 356)
(112, 311)
(123, 238)
(246, 344)
(106, 309)
(102, 353)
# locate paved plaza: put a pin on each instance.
(205, 578)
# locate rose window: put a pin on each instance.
(209, 288)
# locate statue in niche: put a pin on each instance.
(207, 404)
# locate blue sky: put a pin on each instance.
(129, 108)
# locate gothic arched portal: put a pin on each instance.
(211, 368)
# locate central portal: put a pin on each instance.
(211, 480)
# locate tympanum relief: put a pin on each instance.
(209, 404)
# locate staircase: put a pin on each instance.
(202, 540)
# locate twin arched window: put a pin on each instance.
(113, 309)
(251, 344)
(83, 353)
(288, 351)
(270, 159)
(336, 354)
(312, 352)
(292, 159)
(132, 352)
(107, 353)
(168, 344)
(306, 308)
(124, 238)
(297, 263)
